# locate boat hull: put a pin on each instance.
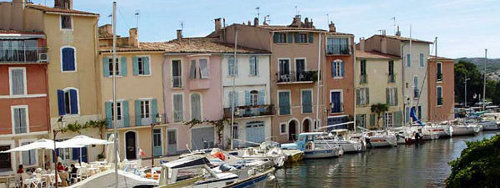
(321, 153)
(464, 130)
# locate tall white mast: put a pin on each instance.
(318, 84)
(114, 96)
(233, 77)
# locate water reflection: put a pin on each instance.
(423, 165)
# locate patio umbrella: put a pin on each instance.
(81, 141)
(110, 149)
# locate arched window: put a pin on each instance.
(196, 106)
(254, 98)
(68, 58)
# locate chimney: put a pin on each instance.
(179, 33)
(312, 23)
(362, 44)
(249, 23)
(217, 24)
(332, 28)
(133, 38)
(296, 21)
(256, 21)
(223, 22)
(63, 4)
(398, 33)
(306, 22)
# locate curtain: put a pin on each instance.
(204, 68)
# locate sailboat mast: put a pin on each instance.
(114, 96)
(233, 77)
(318, 80)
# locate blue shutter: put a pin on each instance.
(126, 116)
(262, 96)
(107, 109)
(235, 98)
(252, 65)
(75, 154)
(73, 101)
(137, 112)
(84, 154)
(275, 38)
(342, 69)
(135, 66)
(68, 59)
(311, 38)
(333, 69)
(123, 66)
(105, 67)
(289, 37)
(230, 65)
(247, 98)
(408, 60)
(154, 110)
(60, 102)
(256, 65)
(236, 67)
(146, 66)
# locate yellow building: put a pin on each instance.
(139, 93)
(378, 81)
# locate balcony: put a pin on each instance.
(176, 81)
(23, 55)
(249, 111)
(391, 78)
(338, 50)
(299, 77)
(199, 84)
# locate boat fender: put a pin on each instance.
(220, 155)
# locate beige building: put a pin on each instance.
(378, 80)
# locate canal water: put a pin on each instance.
(424, 165)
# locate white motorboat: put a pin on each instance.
(267, 150)
(106, 179)
(490, 121)
(375, 139)
(314, 146)
(460, 128)
(341, 138)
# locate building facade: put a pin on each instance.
(441, 89)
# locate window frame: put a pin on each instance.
(119, 107)
(25, 82)
(438, 97)
(191, 105)
(173, 107)
(341, 91)
(289, 101)
(145, 111)
(281, 128)
(439, 70)
(12, 108)
(392, 96)
(362, 92)
(61, 23)
(65, 90)
(254, 97)
(62, 61)
(302, 38)
(330, 48)
(256, 71)
(388, 116)
(283, 36)
(110, 62)
(207, 68)
(289, 65)
(302, 101)
(338, 69)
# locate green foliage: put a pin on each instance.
(477, 166)
(467, 69)
(218, 124)
(77, 127)
(379, 109)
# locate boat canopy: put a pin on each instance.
(194, 160)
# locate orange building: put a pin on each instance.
(441, 88)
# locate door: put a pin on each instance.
(255, 133)
(5, 159)
(292, 131)
(171, 142)
(336, 102)
(202, 138)
(236, 135)
(176, 73)
(306, 125)
(300, 68)
(157, 149)
(130, 144)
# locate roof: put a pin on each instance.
(14, 34)
(374, 55)
(189, 45)
(339, 33)
(437, 58)
(59, 10)
(287, 28)
(404, 39)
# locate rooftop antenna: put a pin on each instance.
(137, 13)
(394, 24)
(182, 25)
(267, 19)
(296, 10)
(258, 12)
(327, 18)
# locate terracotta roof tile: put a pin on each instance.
(59, 10)
(434, 58)
(404, 38)
(374, 55)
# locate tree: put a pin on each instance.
(379, 109)
(477, 166)
(467, 69)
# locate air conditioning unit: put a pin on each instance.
(43, 57)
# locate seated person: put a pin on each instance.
(73, 172)
(20, 169)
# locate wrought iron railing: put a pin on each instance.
(176, 81)
(249, 111)
(23, 55)
(302, 76)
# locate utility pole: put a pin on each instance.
(115, 132)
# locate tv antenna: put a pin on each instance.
(182, 25)
(258, 12)
(296, 10)
(394, 24)
(267, 19)
(137, 14)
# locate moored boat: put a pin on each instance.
(313, 148)
(376, 139)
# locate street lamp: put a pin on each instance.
(60, 128)
(158, 121)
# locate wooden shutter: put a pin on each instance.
(333, 68)
(60, 102)
(252, 65)
(123, 66)
(358, 98)
(138, 113)
(247, 98)
(342, 68)
(276, 38)
(73, 101)
(387, 96)
(105, 67)
(107, 109)
(289, 37)
(372, 119)
(256, 65)
(311, 38)
(262, 96)
(398, 118)
(68, 59)
(154, 110)
(147, 66)
(395, 96)
(125, 114)
(192, 70)
(367, 96)
(135, 66)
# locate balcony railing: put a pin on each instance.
(249, 111)
(363, 79)
(23, 55)
(176, 81)
(391, 78)
(338, 50)
(303, 76)
(439, 77)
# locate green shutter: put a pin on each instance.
(297, 37)
(126, 116)
(256, 65)
(137, 112)
(398, 118)
(154, 110)
(290, 37)
(105, 67)
(135, 66)
(311, 38)
(146, 66)
(107, 109)
(367, 96)
(123, 66)
(358, 121)
(247, 98)
(372, 119)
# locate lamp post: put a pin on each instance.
(158, 121)
(60, 128)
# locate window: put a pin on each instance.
(284, 69)
(388, 119)
(122, 113)
(300, 38)
(19, 50)
(28, 158)
(284, 102)
(233, 96)
(20, 119)
(362, 96)
(439, 70)
(110, 66)
(178, 108)
(196, 106)
(171, 136)
(336, 102)
(68, 57)
(145, 109)
(232, 66)
(307, 106)
(361, 120)
(279, 38)
(5, 159)
(439, 95)
(65, 22)
(391, 78)
(254, 66)
(362, 67)
(235, 132)
(300, 69)
(416, 91)
(254, 98)
(338, 69)
(118, 111)
(422, 62)
(283, 128)
(67, 100)
(17, 81)
(204, 73)
(176, 74)
(337, 46)
(392, 96)
(141, 66)
(156, 137)
(408, 60)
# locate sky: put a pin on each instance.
(464, 27)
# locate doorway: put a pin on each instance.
(292, 130)
(130, 144)
(306, 126)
